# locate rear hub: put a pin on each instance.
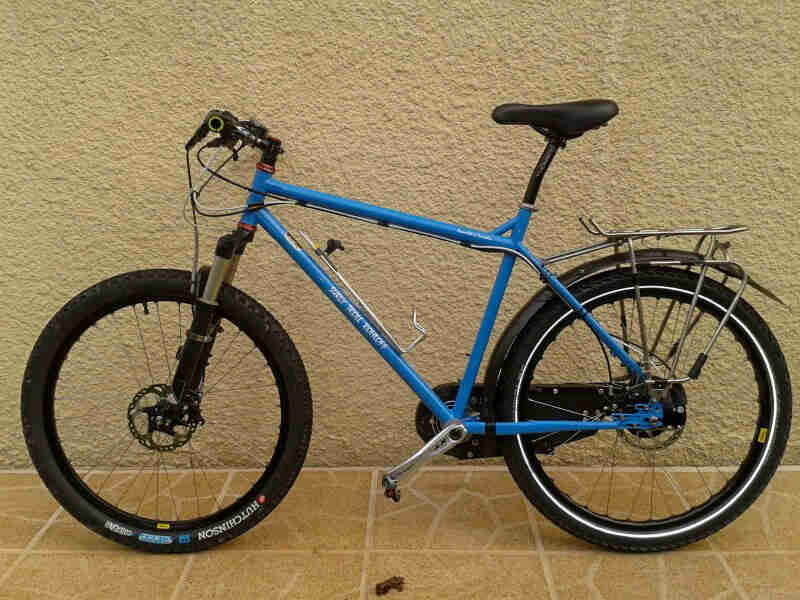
(674, 404)
(674, 420)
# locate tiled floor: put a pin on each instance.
(457, 533)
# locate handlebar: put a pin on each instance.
(230, 130)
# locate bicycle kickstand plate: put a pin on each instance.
(452, 434)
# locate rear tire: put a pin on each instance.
(560, 489)
(227, 509)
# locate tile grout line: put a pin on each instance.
(187, 567)
(784, 468)
(182, 579)
(224, 490)
(662, 578)
(714, 553)
(543, 558)
(737, 587)
(731, 575)
(369, 542)
(34, 540)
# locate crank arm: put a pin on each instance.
(452, 434)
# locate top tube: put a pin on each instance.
(265, 183)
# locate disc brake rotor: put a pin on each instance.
(159, 422)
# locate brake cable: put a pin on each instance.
(193, 199)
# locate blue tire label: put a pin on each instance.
(155, 539)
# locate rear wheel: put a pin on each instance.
(101, 425)
(660, 488)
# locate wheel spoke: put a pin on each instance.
(116, 464)
(147, 485)
(114, 446)
(627, 486)
(241, 389)
(169, 486)
(83, 403)
(163, 342)
(127, 350)
(652, 483)
(196, 455)
(135, 478)
(224, 353)
(194, 482)
(158, 477)
(216, 383)
(613, 462)
(144, 348)
(664, 323)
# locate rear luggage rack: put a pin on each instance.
(590, 225)
(708, 258)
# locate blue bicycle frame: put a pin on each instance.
(494, 241)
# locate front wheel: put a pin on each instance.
(660, 488)
(102, 429)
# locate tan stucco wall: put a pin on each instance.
(387, 102)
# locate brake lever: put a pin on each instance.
(229, 143)
(201, 132)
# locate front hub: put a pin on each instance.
(159, 422)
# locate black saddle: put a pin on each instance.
(566, 120)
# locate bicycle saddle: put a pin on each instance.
(567, 120)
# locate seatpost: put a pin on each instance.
(553, 144)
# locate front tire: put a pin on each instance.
(113, 348)
(737, 412)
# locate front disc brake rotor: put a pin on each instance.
(157, 420)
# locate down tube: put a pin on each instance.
(332, 291)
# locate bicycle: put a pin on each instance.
(600, 386)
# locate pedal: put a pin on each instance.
(453, 433)
(391, 492)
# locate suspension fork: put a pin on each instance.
(200, 336)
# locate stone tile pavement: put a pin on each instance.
(457, 533)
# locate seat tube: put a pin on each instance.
(490, 316)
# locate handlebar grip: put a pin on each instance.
(229, 128)
(216, 121)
